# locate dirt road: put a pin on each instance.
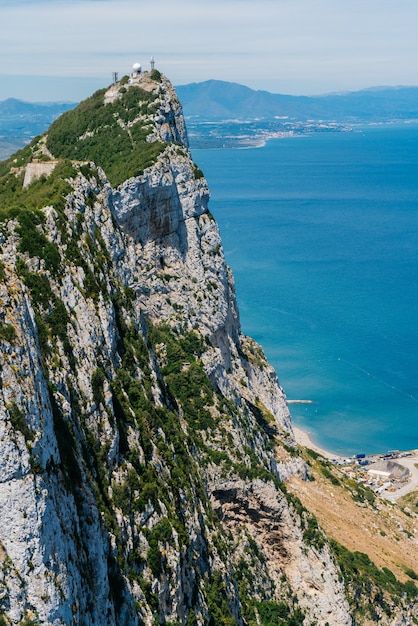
(411, 462)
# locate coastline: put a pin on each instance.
(349, 436)
(303, 438)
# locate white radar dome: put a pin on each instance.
(136, 67)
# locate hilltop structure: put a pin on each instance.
(136, 71)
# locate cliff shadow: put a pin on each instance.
(148, 213)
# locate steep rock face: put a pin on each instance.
(257, 507)
(140, 430)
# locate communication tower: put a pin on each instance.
(152, 61)
(115, 77)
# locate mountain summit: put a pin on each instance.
(215, 99)
(145, 441)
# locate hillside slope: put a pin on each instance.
(145, 441)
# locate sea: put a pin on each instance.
(321, 233)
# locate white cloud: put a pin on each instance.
(268, 43)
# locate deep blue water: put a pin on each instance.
(321, 232)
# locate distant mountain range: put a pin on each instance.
(214, 99)
(13, 109)
(217, 101)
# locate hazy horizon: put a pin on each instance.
(96, 86)
(64, 50)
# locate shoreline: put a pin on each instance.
(303, 438)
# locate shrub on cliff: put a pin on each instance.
(99, 132)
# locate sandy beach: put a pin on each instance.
(303, 438)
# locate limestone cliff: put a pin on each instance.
(145, 442)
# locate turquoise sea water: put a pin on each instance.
(321, 232)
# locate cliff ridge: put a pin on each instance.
(145, 441)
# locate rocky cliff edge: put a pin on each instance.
(145, 442)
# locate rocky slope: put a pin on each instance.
(145, 442)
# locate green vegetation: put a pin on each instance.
(255, 589)
(362, 493)
(51, 316)
(409, 503)
(254, 353)
(19, 158)
(217, 601)
(359, 492)
(34, 242)
(314, 455)
(267, 422)
(161, 533)
(197, 172)
(184, 375)
(189, 386)
(27, 621)
(368, 586)
(150, 467)
(312, 533)
(45, 191)
(324, 468)
(24, 205)
(97, 381)
(95, 131)
(411, 573)
(156, 75)
(7, 332)
(19, 422)
(275, 614)
(159, 432)
(155, 467)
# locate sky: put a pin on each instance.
(63, 50)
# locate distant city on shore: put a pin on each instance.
(224, 114)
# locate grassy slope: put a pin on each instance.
(364, 524)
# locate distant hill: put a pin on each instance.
(12, 107)
(214, 99)
(20, 121)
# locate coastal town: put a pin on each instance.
(391, 475)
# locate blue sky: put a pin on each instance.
(66, 49)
